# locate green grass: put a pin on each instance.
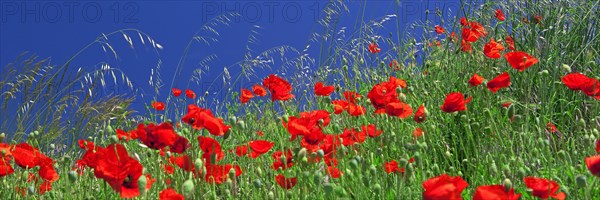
(482, 144)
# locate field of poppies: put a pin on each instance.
(502, 103)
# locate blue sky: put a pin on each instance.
(59, 29)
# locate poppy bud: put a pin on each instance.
(581, 123)
(188, 187)
(448, 154)
(72, 176)
(142, 181)
(344, 61)
(510, 112)
(566, 68)
(2, 136)
(345, 67)
(302, 153)
(229, 182)
(353, 163)
(227, 134)
(113, 139)
(372, 169)
(521, 172)
(581, 181)
(286, 117)
(321, 153)
(544, 73)
(494, 168)
(271, 195)
(417, 157)
(507, 184)
(402, 97)
(377, 188)
(198, 163)
(232, 172)
(31, 189)
(232, 119)
(506, 170)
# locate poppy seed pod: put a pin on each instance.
(507, 183)
(188, 187)
(142, 181)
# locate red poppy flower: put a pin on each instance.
(543, 188)
(241, 150)
(260, 133)
(418, 132)
(5, 168)
(245, 95)
(538, 19)
(190, 94)
(420, 115)
(500, 15)
(279, 164)
(592, 88)
(26, 156)
(280, 89)
(501, 81)
(339, 106)
(334, 172)
(181, 144)
(351, 137)
(286, 183)
(506, 104)
(463, 21)
(170, 194)
(444, 187)
(392, 166)
(394, 64)
(306, 123)
(119, 170)
(371, 130)
(157, 137)
(493, 49)
(217, 174)
(486, 192)
(473, 32)
(373, 48)
(399, 109)
(520, 60)
(439, 29)
(455, 101)
(551, 127)
(201, 118)
(260, 147)
(575, 81)
(183, 162)
(593, 164)
(169, 169)
(322, 90)
(598, 146)
(158, 105)
(510, 42)
(259, 90)
(466, 46)
(176, 92)
(476, 80)
(209, 147)
(452, 36)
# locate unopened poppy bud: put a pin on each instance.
(581, 181)
(302, 153)
(475, 126)
(417, 157)
(402, 97)
(257, 183)
(521, 172)
(229, 182)
(511, 111)
(286, 117)
(544, 72)
(2, 136)
(372, 169)
(198, 163)
(377, 188)
(448, 154)
(581, 123)
(353, 163)
(507, 184)
(344, 61)
(345, 67)
(113, 139)
(566, 68)
(506, 170)
(31, 189)
(317, 178)
(72, 176)
(232, 119)
(320, 153)
(142, 181)
(494, 168)
(271, 195)
(52, 146)
(232, 172)
(188, 188)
